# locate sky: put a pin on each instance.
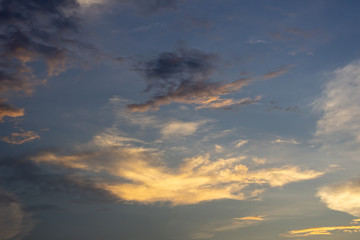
(179, 119)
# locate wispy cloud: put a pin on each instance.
(179, 128)
(230, 225)
(241, 143)
(15, 223)
(197, 179)
(320, 231)
(286, 141)
(280, 71)
(343, 196)
(184, 76)
(338, 129)
(20, 137)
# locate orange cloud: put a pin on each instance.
(20, 137)
(8, 110)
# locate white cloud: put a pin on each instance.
(179, 128)
(338, 128)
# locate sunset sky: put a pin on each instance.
(179, 119)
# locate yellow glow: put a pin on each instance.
(321, 231)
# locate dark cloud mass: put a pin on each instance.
(184, 76)
(35, 31)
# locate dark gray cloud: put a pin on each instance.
(36, 31)
(31, 180)
(154, 6)
(184, 76)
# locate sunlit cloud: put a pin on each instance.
(8, 110)
(241, 143)
(15, 223)
(321, 231)
(20, 137)
(184, 76)
(230, 225)
(144, 177)
(343, 197)
(286, 141)
(179, 128)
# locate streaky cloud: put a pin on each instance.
(15, 222)
(20, 137)
(184, 76)
(210, 230)
(321, 231)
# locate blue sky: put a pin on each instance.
(179, 119)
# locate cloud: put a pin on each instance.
(20, 137)
(321, 231)
(343, 197)
(241, 143)
(37, 31)
(8, 110)
(256, 41)
(139, 174)
(14, 221)
(184, 76)
(235, 223)
(280, 71)
(286, 141)
(178, 128)
(338, 128)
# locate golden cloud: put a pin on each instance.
(343, 197)
(143, 176)
(321, 231)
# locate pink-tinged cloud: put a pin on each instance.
(20, 137)
(8, 110)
